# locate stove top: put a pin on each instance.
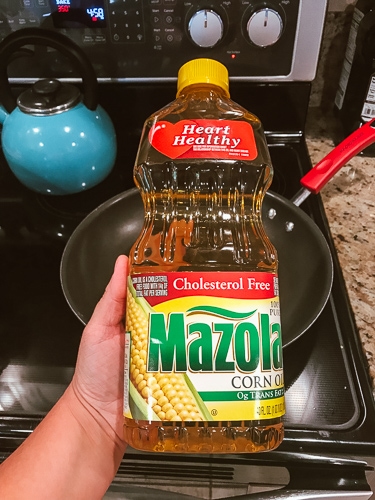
(329, 404)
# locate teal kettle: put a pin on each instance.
(55, 139)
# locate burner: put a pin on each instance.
(287, 170)
(279, 184)
(58, 216)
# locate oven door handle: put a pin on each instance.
(287, 494)
(318, 478)
(311, 476)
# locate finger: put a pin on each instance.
(110, 309)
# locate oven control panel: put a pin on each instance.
(138, 40)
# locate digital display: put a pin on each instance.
(78, 13)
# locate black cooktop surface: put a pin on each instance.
(328, 400)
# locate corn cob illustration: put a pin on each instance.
(170, 395)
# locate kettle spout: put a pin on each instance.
(3, 115)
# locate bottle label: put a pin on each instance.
(204, 346)
(200, 138)
(348, 59)
(368, 109)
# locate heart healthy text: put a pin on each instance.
(217, 136)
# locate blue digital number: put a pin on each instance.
(96, 13)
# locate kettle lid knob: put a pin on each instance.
(48, 97)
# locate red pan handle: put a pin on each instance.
(323, 171)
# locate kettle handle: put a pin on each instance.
(37, 36)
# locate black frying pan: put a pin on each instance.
(305, 263)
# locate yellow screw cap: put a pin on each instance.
(203, 71)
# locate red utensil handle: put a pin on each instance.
(323, 171)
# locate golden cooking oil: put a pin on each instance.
(203, 355)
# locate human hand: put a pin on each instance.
(99, 377)
(80, 441)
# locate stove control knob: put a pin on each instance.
(206, 28)
(265, 27)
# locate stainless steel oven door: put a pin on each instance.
(275, 475)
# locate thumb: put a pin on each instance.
(110, 310)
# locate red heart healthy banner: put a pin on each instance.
(221, 139)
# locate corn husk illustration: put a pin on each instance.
(155, 395)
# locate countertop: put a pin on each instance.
(349, 201)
